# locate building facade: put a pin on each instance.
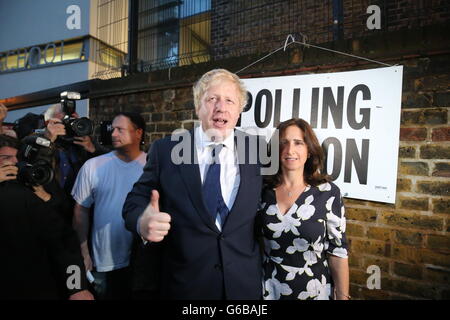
(63, 42)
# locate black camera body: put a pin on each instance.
(75, 127)
(35, 161)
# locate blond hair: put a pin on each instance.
(202, 85)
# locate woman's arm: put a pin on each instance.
(340, 275)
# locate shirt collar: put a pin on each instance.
(202, 140)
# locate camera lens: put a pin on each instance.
(82, 127)
(39, 173)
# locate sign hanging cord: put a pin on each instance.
(303, 43)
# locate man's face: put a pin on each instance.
(8, 156)
(220, 109)
(124, 133)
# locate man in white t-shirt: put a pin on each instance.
(104, 182)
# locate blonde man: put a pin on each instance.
(200, 219)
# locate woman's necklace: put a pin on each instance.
(290, 192)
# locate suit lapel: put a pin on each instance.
(190, 174)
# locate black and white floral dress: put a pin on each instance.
(297, 243)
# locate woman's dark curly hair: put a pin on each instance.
(314, 164)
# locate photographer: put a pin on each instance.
(39, 248)
(71, 153)
(9, 169)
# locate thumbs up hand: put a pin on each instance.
(154, 225)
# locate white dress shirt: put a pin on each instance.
(229, 167)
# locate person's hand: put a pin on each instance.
(3, 112)
(41, 193)
(87, 262)
(154, 225)
(85, 142)
(8, 172)
(82, 295)
(54, 129)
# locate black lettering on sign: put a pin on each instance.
(329, 104)
(351, 108)
(296, 103)
(262, 123)
(314, 107)
(337, 159)
(276, 117)
(361, 161)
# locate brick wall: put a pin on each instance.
(242, 27)
(408, 241)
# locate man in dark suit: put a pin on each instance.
(197, 200)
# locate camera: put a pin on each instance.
(35, 161)
(75, 127)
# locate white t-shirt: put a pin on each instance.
(106, 181)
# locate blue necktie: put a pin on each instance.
(212, 192)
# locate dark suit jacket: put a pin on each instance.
(197, 260)
(37, 247)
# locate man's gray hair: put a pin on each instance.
(52, 111)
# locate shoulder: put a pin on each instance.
(329, 188)
(96, 161)
(180, 135)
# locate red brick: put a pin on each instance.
(413, 134)
(441, 134)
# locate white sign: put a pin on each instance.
(355, 115)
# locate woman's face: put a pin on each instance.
(293, 149)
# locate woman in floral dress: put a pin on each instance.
(303, 223)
